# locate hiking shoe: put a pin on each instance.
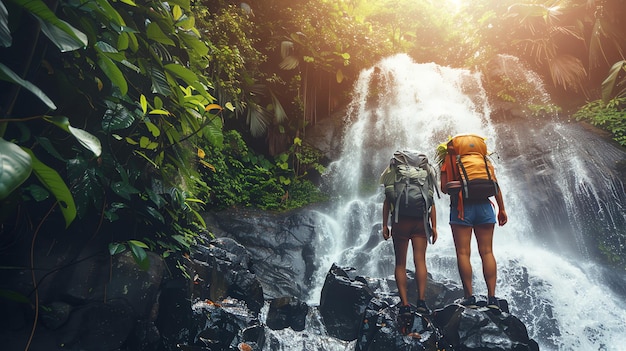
(469, 302)
(493, 303)
(405, 319)
(422, 307)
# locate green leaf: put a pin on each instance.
(194, 43)
(185, 4)
(181, 240)
(13, 295)
(140, 255)
(107, 50)
(8, 75)
(143, 102)
(104, 7)
(86, 139)
(184, 73)
(15, 167)
(117, 117)
(116, 248)
(155, 214)
(37, 192)
(113, 73)
(124, 189)
(177, 12)
(153, 129)
(83, 176)
(138, 243)
(62, 39)
(55, 184)
(41, 10)
(154, 32)
(213, 131)
(159, 83)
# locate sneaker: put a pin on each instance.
(469, 302)
(422, 307)
(493, 303)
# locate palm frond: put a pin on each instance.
(567, 71)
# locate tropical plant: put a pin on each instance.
(128, 74)
(609, 113)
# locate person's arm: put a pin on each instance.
(502, 216)
(386, 230)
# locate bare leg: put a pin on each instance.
(400, 246)
(484, 237)
(462, 239)
(419, 244)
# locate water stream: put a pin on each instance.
(554, 188)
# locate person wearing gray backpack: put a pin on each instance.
(409, 183)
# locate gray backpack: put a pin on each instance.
(409, 183)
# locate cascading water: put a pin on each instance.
(545, 268)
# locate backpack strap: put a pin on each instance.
(489, 173)
(464, 177)
(396, 209)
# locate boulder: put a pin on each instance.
(287, 312)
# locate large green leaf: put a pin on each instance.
(50, 20)
(55, 184)
(64, 41)
(116, 117)
(8, 75)
(194, 43)
(107, 50)
(15, 167)
(184, 73)
(214, 131)
(113, 72)
(159, 82)
(86, 139)
(155, 33)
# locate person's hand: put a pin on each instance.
(434, 235)
(502, 217)
(386, 232)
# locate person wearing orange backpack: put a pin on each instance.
(469, 178)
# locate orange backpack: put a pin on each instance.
(468, 169)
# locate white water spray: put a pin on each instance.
(401, 104)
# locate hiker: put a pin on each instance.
(410, 229)
(471, 210)
(409, 171)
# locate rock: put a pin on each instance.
(220, 325)
(281, 246)
(223, 269)
(343, 303)
(287, 312)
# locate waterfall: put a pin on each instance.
(555, 189)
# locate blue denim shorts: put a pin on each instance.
(474, 213)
